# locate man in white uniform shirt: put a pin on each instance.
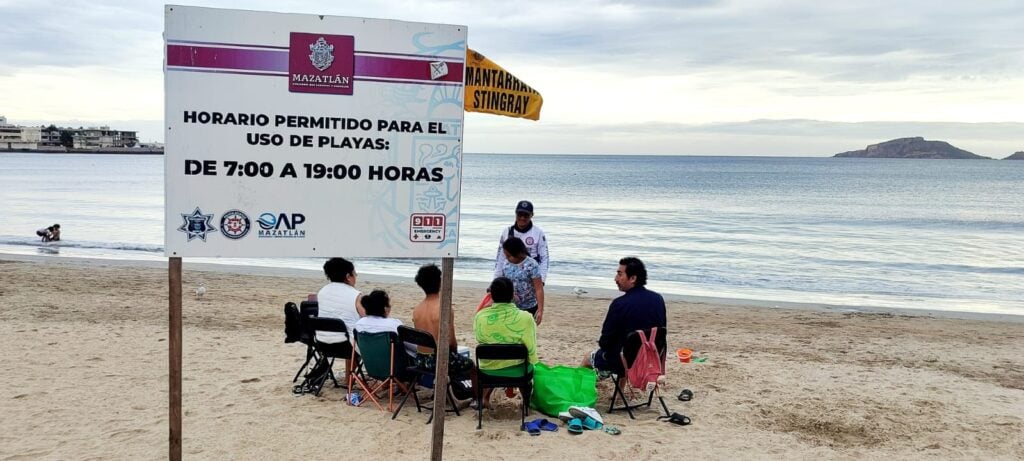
(530, 234)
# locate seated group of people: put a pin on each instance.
(503, 322)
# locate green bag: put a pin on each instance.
(556, 388)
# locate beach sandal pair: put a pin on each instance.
(676, 418)
(577, 426)
(534, 427)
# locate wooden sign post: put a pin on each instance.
(441, 369)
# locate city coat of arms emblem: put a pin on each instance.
(322, 54)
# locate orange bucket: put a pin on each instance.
(684, 355)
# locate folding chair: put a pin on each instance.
(630, 348)
(384, 359)
(325, 353)
(415, 372)
(306, 336)
(523, 379)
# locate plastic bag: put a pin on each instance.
(556, 388)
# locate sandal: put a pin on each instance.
(575, 426)
(591, 424)
(685, 395)
(612, 430)
(676, 418)
(533, 427)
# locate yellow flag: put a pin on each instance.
(493, 90)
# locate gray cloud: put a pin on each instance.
(850, 41)
(756, 137)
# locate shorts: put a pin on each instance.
(532, 311)
(600, 362)
(342, 350)
(457, 364)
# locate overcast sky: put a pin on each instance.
(744, 77)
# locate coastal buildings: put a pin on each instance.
(18, 137)
(35, 138)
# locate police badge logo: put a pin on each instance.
(322, 54)
(235, 224)
(197, 225)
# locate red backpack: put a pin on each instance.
(647, 366)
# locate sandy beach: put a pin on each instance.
(85, 377)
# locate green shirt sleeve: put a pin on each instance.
(530, 338)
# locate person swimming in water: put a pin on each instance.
(50, 234)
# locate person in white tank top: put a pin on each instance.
(339, 299)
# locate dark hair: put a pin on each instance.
(515, 246)
(376, 303)
(429, 279)
(502, 290)
(337, 269)
(56, 226)
(635, 267)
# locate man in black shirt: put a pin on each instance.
(637, 309)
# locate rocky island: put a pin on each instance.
(1016, 156)
(912, 148)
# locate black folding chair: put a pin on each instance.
(523, 380)
(424, 340)
(307, 309)
(629, 351)
(325, 353)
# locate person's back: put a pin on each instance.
(377, 306)
(426, 315)
(637, 309)
(338, 299)
(504, 323)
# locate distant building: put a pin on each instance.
(18, 137)
(30, 137)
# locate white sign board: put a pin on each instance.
(306, 135)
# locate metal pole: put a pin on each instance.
(174, 355)
(441, 370)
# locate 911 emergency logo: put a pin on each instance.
(235, 224)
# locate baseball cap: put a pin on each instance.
(524, 206)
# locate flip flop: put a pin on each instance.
(676, 418)
(700, 359)
(591, 424)
(685, 395)
(533, 427)
(575, 426)
(546, 425)
(612, 430)
(586, 412)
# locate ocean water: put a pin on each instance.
(920, 234)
